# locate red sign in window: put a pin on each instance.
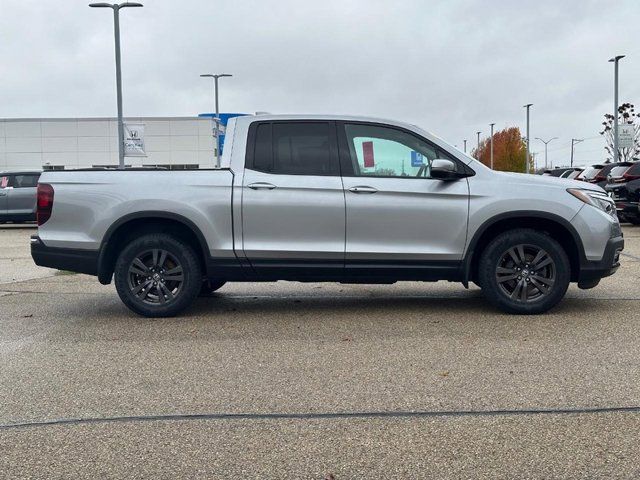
(367, 152)
(4, 181)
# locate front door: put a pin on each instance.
(293, 207)
(398, 218)
(21, 196)
(4, 191)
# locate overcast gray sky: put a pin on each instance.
(451, 67)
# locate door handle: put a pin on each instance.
(261, 186)
(3, 194)
(363, 189)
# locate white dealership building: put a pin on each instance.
(63, 143)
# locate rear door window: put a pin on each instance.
(619, 171)
(590, 173)
(295, 148)
(25, 181)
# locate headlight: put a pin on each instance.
(596, 199)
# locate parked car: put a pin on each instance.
(624, 188)
(322, 198)
(18, 196)
(571, 173)
(602, 177)
(590, 173)
(556, 172)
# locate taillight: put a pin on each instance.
(628, 177)
(45, 202)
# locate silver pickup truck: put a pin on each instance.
(327, 198)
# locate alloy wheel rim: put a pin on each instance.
(156, 277)
(526, 273)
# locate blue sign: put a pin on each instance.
(224, 118)
(417, 159)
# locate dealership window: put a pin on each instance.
(180, 166)
(387, 152)
(294, 148)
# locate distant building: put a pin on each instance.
(63, 143)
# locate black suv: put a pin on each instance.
(624, 188)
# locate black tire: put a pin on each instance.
(157, 275)
(209, 286)
(519, 286)
(633, 220)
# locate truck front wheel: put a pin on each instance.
(157, 275)
(524, 272)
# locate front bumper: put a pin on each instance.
(610, 262)
(72, 260)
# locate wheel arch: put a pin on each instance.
(553, 225)
(138, 223)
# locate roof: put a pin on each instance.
(19, 172)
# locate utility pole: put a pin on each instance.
(575, 141)
(116, 33)
(478, 147)
(545, 148)
(217, 119)
(615, 60)
(465, 145)
(491, 125)
(526, 163)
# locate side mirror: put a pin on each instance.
(444, 169)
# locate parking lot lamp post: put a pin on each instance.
(547, 142)
(217, 119)
(491, 125)
(526, 163)
(465, 145)
(574, 141)
(478, 147)
(116, 32)
(615, 61)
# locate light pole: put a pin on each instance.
(615, 61)
(575, 141)
(116, 32)
(526, 163)
(547, 142)
(478, 147)
(465, 146)
(217, 119)
(491, 125)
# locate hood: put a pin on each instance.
(547, 181)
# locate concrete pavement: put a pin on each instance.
(70, 350)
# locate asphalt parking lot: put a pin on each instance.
(318, 381)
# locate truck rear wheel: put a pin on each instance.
(524, 272)
(157, 275)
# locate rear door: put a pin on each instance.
(21, 198)
(398, 218)
(293, 207)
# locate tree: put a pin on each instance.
(509, 151)
(626, 116)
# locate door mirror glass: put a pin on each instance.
(443, 169)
